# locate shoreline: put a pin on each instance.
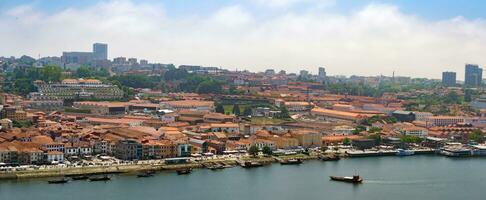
(134, 168)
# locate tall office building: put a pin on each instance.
(322, 72)
(473, 76)
(82, 58)
(449, 79)
(100, 51)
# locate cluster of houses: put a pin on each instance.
(158, 125)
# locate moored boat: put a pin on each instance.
(251, 164)
(144, 175)
(58, 181)
(77, 178)
(456, 152)
(330, 158)
(100, 178)
(348, 179)
(216, 167)
(291, 162)
(184, 171)
(403, 152)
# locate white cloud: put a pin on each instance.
(288, 3)
(377, 39)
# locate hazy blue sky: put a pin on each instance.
(411, 37)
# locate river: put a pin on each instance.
(398, 178)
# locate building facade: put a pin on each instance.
(449, 79)
(79, 89)
(100, 51)
(473, 76)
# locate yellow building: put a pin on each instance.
(308, 138)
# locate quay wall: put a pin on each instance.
(91, 170)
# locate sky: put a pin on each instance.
(362, 37)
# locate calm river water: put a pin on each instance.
(398, 178)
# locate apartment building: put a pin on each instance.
(79, 89)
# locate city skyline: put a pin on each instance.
(395, 38)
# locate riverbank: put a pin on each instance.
(438, 178)
(133, 168)
(55, 171)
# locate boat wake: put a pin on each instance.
(398, 182)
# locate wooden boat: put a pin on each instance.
(251, 164)
(100, 178)
(77, 178)
(184, 171)
(291, 162)
(145, 174)
(226, 165)
(348, 179)
(58, 181)
(216, 167)
(330, 158)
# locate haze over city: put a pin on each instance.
(347, 37)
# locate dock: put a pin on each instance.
(371, 153)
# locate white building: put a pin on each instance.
(343, 130)
(444, 120)
(413, 131)
(225, 127)
(55, 156)
(422, 116)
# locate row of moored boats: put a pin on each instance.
(79, 178)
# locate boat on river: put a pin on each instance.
(184, 171)
(216, 167)
(100, 178)
(251, 164)
(348, 179)
(78, 178)
(291, 162)
(330, 158)
(403, 152)
(58, 181)
(145, 174)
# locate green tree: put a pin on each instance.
(358, 129)
(452, 98)
(346, 141)
(83, 72)
(284, 113)
(236, 110)
(233, 90)
(209, 87)
(21, 123)
(135, 80)
(175, 74)
(219, 108)
(51, 73)
(267, 150)
(247, 111)
(468, 95)
(191, 83)
(23, 86)
(411, 139)
(477, 136)
(390, 120)
(376, 137)
(253, 151)
(374, 130)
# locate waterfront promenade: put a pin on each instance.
(24, 172)
(399, 178)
